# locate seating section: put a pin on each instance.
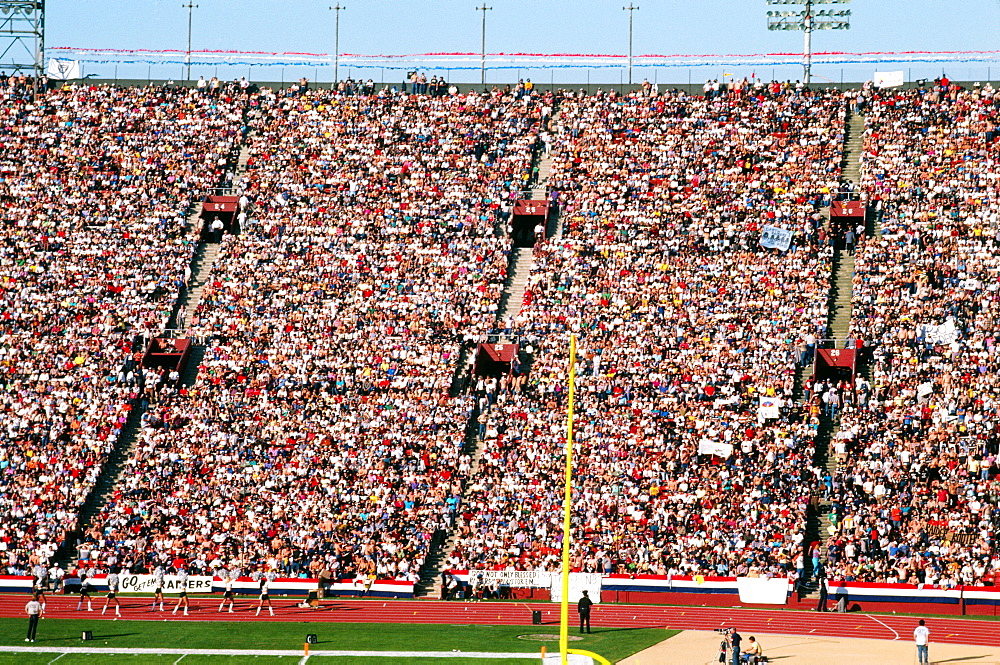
(916, 499)
(685, 322)
(95, 185)
(328, 425)
(321, 431)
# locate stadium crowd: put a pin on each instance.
(320, 432)
(323, 433)
(686, 324)
(95, 184)
(916, 499)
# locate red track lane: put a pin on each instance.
(883, 627)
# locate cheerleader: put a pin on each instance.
(228, 596)
(265, 597)
(182, 579)
(158, 588)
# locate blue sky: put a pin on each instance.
(590, 26)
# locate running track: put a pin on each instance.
(883, 627)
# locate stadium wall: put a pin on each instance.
(646, 589)
(290, 586)
(725, 592)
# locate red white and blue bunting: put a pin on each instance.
(498, 61)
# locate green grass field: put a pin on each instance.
(613, 644)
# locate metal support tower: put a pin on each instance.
(22, 37)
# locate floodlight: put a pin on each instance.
(807, 21)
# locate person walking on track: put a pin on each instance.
(34, 611)
(583, 607)
(922, 635)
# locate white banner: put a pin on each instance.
(521, 579)
(769, 408)
(63, 70)
(578, 582)
(171, 584)
(717, 448)
(946, 333)
(776, 237)
(888, 79)
(763, 591)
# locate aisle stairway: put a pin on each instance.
(838, 326)
(518, 272)
(201, 270)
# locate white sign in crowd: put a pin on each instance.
(522, 579)
(776, 237)
(540, 579)
(946, 333)
(711, 447)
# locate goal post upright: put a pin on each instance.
(567, 504)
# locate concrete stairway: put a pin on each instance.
(540, 190)
(436, 563)
(841, 290)
(463, 368)
(201, 272)
(841, 311)
(843, 261)
(518, 272)
(242, 160)
(853, 147)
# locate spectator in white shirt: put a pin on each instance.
(921, 635)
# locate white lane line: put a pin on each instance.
(56, 658)
(482, 655)
(884, 624)
(180, 659)
(305, 659)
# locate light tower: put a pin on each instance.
(22, 37)
(808, 20)
(631, 8)
(190, 6)
(336, 43)
(482, 47)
